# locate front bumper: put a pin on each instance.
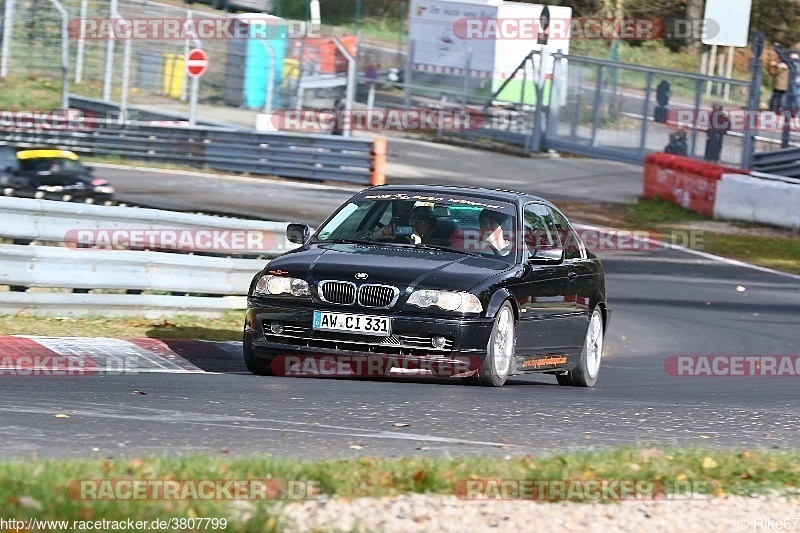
(411, 334)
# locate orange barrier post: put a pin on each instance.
(378, 161)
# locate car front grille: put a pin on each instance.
(296, 335)
(367, 295)
(337, 292)
(377, 295)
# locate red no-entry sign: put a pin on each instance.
(196, 63)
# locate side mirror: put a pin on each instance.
(298, 233)
(547, 256)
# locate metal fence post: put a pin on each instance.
(81, 45)
(8, 28)
(465, 87)
(555, 99)
(645, 111)
(442, 106)
(64, 53)
(598, 94)
(350, 91)
(576, 115)
(126, 77)
(270, 77)
(407, 75)
(753, 97)
(698, 92)
(298, 96)
(112, 12)
(185, 82)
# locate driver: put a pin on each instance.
(423, 224)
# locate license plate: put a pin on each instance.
(347, 323)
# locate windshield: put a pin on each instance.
(457, 223)
(55, 165)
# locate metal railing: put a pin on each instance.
(65, 273)
(315, 157)
(784, 162)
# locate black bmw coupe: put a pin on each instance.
(476, 283)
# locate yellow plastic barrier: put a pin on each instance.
(291, 68)
(173, 75)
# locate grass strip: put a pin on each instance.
(760, 245)
(225, 328)
(47, 489)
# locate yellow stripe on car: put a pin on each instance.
(41, 154)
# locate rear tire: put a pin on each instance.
(585, 374)
(500, 349)
(260, 366)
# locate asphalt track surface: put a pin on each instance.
(666, 303)
(409, 162)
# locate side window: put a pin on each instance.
(569, 239)
(538, 229)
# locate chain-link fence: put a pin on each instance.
(239, 69)
(630, 110)
(590, 106)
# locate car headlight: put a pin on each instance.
(274, 285)
(104, 189)
(448, 300)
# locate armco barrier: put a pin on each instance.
(213, 284)
(60, 267)
(50, 221)
(686, 182)
(758, 200)
(314, 157)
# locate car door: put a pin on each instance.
(582, 280)
(544, 311)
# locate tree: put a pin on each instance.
(694, 11)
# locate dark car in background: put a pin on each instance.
(425, 274)
(52, 174)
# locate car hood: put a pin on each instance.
(393, 265)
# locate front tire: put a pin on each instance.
(585, 374)
(500, 350)
(260, 366)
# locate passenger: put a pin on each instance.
(491, 225)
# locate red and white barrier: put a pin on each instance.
(686, 182)
(757, 200)
(721, 192)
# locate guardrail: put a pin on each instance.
(57, 279)
(785, 162)
(314, 157)
(52, 221)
